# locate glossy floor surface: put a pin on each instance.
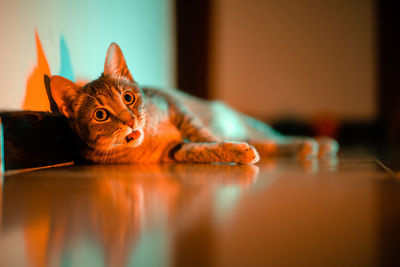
(341, 211)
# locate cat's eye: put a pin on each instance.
(100, 114)
(128, 98)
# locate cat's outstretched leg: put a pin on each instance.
(269, 142)
(220, 152)
(300, 146)
(304, 147)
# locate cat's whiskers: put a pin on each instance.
(106, 152)
(101, 154)
(118, 138)
(96, 154)
(111, 146)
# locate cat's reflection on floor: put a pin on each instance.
(118, 208)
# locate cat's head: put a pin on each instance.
(106, 113)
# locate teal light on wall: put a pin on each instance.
(65, 61)
(143, 30)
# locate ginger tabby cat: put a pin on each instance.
(120, 122)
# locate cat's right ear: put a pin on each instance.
(115, 63)
(64, 92)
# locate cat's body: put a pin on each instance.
(119, 122)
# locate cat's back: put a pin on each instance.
(200, 108)
(220, 119)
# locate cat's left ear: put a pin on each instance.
(115, 63)
(64, 93)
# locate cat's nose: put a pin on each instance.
(127, 118)
(130, 123)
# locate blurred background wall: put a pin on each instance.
(295, 58)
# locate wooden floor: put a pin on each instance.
(336, 212)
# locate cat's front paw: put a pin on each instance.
(239, 152)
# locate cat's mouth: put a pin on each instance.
(134, 135)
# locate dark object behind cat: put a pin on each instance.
(120, 122)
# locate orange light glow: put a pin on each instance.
(35, 95)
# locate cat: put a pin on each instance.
(120, 122)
